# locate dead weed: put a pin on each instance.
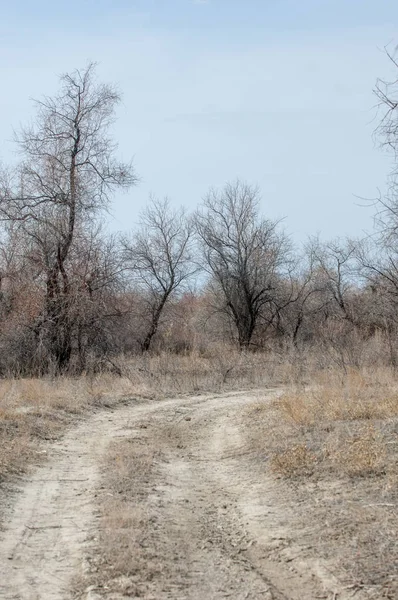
(123, 562)
(335, 445)
(37, 410)
(297, 460)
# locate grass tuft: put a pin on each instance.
(297, 460)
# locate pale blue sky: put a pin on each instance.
(275, 92)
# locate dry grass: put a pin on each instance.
(347, 422)
(36, 410)
(361, 453)
(357, 396)
(122, 561)
(297, 460)
(334, 447)
(220, 368)
(125, 558)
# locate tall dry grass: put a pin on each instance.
(220, 367)
(33, 411)
(344, 422)
(333, 396)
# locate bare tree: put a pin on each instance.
(335, 271)
(160, 257)
(67, 176)
(244, 254)
(386, 133)
(387, 94)
(377, 255)
(301, 298)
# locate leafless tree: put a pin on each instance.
(377, 255)
(301, 298)
(65, 179)
(387, 94)
(159, 255)
(335, 271)
(244, 254)
(386, 133)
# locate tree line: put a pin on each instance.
(73, 297)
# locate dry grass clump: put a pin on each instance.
(346, 421)
(124, 519)
(123, 561)
(332, 398)
(297, 460)
(362, 453)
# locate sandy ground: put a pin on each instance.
(219, 526)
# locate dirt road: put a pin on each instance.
(218, 526)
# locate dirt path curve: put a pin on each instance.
(218, 515)
(43, 544)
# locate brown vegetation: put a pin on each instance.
(334, 445)
(36, 410)
(347, 422)
(123, 561)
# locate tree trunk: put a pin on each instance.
(146, 344)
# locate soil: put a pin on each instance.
(219, 525)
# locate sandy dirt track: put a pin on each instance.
(221, 524)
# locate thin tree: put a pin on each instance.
(335, 270)
(159, 256)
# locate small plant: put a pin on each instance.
(297, 460)
(362, 454)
